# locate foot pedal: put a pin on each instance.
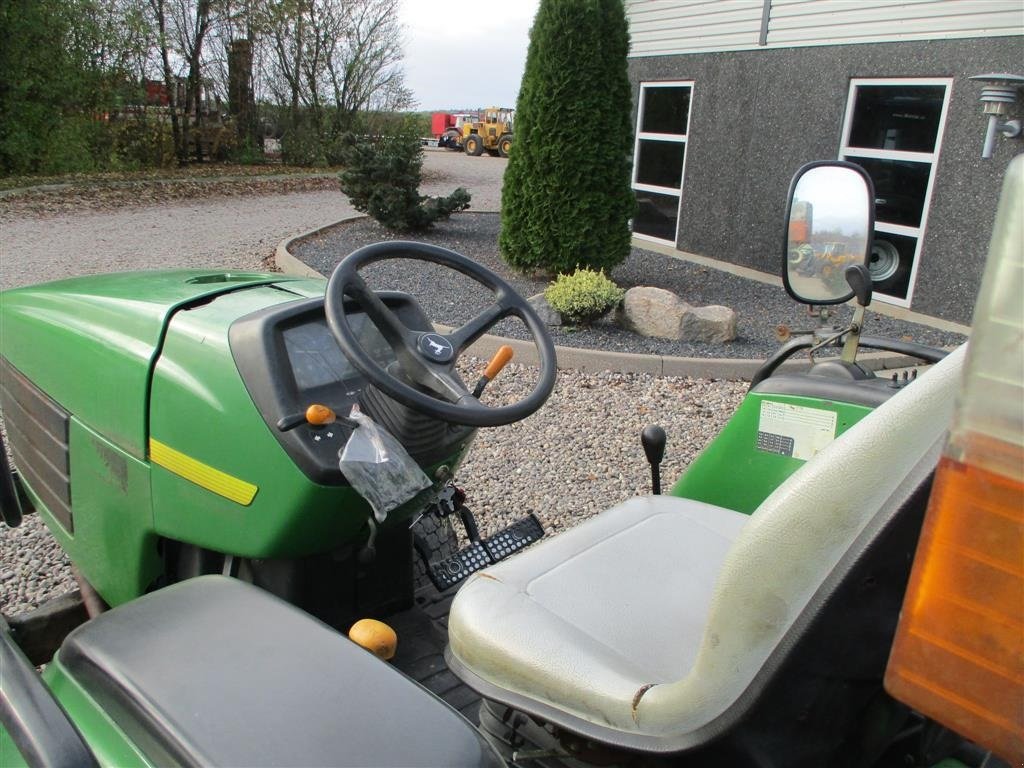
(450, 571)
(520, 534)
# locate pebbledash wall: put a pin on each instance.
(732, 96)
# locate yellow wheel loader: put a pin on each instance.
(493, 133)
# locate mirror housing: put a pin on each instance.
(830, 221)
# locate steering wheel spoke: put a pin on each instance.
(425, 379)
(463, 337)
(401, 340)
(443, 382)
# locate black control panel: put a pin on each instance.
(288, 360)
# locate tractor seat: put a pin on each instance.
(655, 625)
(215, 671)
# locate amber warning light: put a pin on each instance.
(959, 650)
(958, 656)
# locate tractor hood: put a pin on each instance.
(90, 343)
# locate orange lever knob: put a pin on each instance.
(499, 361)
(318, 415)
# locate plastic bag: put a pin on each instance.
(378, 467)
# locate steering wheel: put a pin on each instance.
(426, 379)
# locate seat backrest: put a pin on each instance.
(794, 541)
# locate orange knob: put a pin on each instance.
(318, 415)
(375, 636)
(499, 361)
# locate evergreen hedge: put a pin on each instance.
(566, 199)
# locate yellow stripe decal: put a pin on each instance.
(201, 474)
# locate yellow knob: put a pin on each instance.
(375, 636)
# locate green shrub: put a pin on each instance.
(142, 143)
(334, 149)
(566, 198)
(248, 152)
(583, 296)
(382, 179)
(69, 147)
(302, 146)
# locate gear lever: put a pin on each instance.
(653, 439)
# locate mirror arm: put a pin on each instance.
(858, 277)
(825, 342)
(849, 354)
(780, 356)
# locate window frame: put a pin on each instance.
(851, 153)
(679, 138)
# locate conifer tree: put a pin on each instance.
(566, 198)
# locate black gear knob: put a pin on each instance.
(653, 439)
(858, 277)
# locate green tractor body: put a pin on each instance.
(745, 449)
(132, 424)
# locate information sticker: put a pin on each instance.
(793, 430)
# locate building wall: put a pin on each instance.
(663, 27)
(757, 115)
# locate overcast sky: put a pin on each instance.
(466, 55)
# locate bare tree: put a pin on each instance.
(165, 51)
(283, 25)
(342, 53)
(192, 23)
(181, 29)
(365, 63)
(327, 61)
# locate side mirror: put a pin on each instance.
(830, 219)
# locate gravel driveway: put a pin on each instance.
(578, 455)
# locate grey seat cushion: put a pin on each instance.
(651, 619)
(214, 671)
(586, 611)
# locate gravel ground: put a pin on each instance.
(581, 453)
(57, 199)
(450, 298)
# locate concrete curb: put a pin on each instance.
(595, 360)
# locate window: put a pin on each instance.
(893, 129)
(659, 157)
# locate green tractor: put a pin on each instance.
(239, 465)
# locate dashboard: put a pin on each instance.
(317, 361)
(288, 359)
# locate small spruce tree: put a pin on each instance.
(382, 178)
(566, 198)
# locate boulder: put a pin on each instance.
(548, 315)
(652, 312)
(711, 324)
